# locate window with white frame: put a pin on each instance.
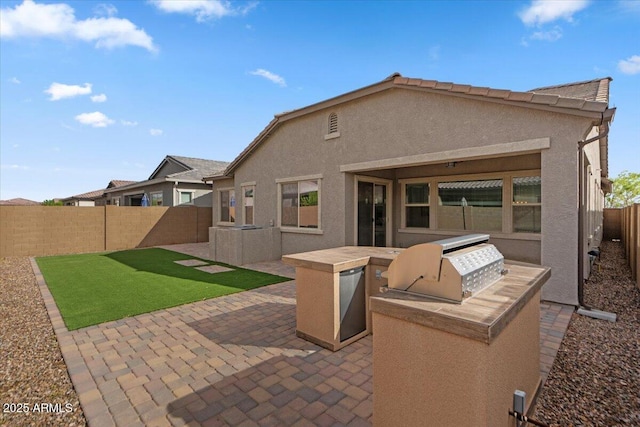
(227, 199)
(186, 197)
(156, 199)
(527, 204)
(300, 204)
(415, 195)
(248, 203)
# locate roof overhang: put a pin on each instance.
(460, 154)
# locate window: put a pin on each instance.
(300, 204)
(416, 205)
(527, 204)
(470, 205)
(156, 199)
(508, 202)
(227, 205)
(186, 197)
(248, 203)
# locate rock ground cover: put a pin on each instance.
(33, 375)
(595, 379)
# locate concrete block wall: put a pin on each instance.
(55, 230)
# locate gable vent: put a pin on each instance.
(333, 123)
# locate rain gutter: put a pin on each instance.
(606, 118)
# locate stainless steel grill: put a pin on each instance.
(450, 269)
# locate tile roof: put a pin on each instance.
(19, 202)
(579, 96)
(95, 194)
(115, 183)
(198, 168)
(591, 90)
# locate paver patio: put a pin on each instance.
(233, 360)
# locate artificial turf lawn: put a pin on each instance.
(96, 288)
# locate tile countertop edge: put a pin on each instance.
(335, 260)
(408, 308)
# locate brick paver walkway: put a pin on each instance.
(233, 360)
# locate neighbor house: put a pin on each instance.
(176, 181)
(96, 197)
(406, 161)
(19, 202)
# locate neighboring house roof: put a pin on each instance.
(555, 98)
(591, 90)
(115, 183)
(89, 195)
(19, 202)
(193, 170)
(96, 194)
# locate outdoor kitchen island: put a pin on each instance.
(333, 287)
(435, 362)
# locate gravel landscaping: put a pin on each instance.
(35, 389)
(595, 380)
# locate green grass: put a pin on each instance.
(96, 288)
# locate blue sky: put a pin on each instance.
(95, 91)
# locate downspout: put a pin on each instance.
(581, 208)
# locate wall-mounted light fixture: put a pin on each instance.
(451, 164)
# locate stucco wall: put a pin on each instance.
(404, 122)
(425, 376)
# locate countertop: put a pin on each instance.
(481, 317)
(343, 258)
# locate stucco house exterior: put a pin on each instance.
(176, 181)
(406, 161)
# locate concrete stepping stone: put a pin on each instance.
(191, 262)
(214, 269)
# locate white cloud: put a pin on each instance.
(128, 123)
(105, 9)
(59, 91)
(156, 132)
(95, 119)
(269, 76)
(15, 167)
(549, 36)
(630, 65)
(31, 19)
(203, 10)
(14, 80)
(543, 11)
(99, 98)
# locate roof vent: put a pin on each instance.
(333, 123)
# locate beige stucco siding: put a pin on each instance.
(404, 122)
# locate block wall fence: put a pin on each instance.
(56, 230)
